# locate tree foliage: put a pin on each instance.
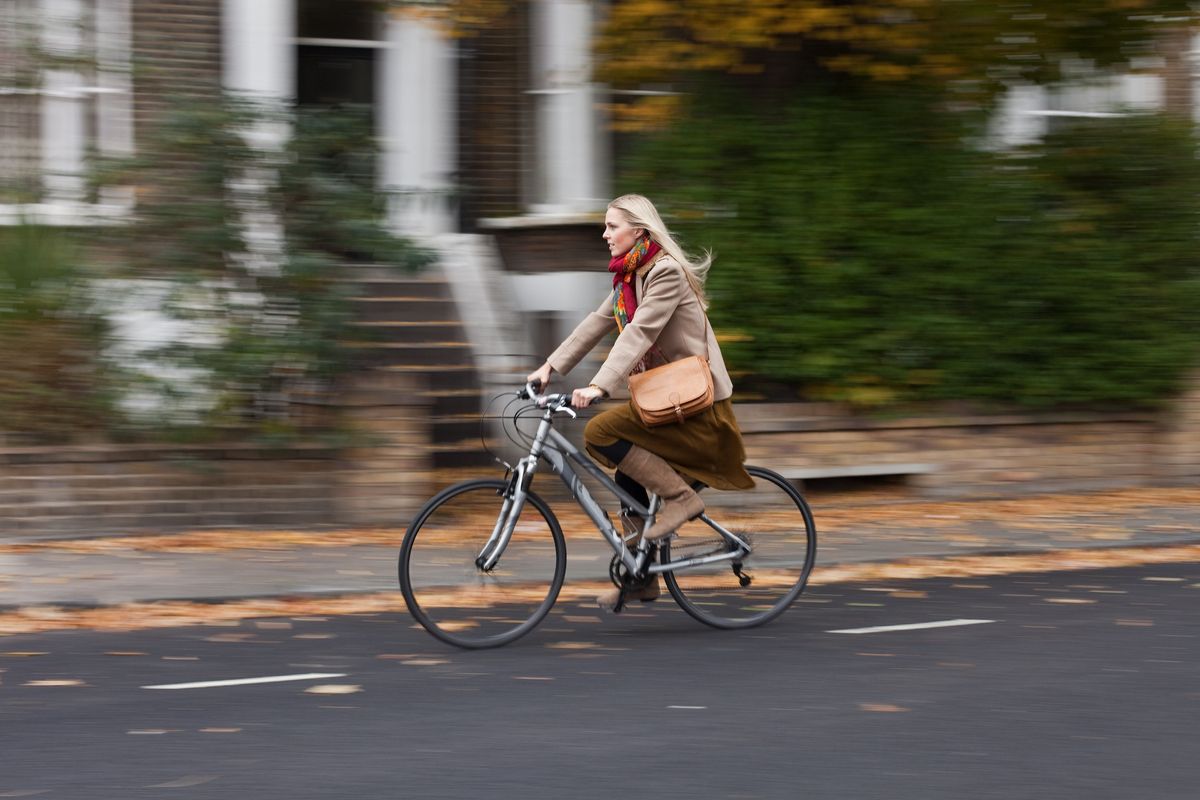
(981, 43)
(970, 51)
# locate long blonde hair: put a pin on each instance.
(641, 213)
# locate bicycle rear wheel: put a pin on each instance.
(452, 597)
(781, 532)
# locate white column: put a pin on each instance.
(569, 163)
(63, 120)
(418, 121)
(258, 38)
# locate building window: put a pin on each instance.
(64, 98)
(336, 52)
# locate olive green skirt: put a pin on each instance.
(707, 447)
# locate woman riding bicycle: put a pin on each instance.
(657, 307)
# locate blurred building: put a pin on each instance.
(499, 123)
(493, 142)
(498, 150)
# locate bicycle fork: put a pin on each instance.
(515, 495)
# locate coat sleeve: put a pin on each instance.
(665, 287)
(587, 334)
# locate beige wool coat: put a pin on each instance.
(669, 316)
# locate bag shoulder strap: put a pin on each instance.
(699, 303)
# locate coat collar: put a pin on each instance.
(644, 270)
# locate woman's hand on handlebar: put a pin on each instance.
(582, 398)
(540, 377)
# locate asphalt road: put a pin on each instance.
(1083, 685)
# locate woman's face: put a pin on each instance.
(618, 233)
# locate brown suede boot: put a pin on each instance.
(679, 502)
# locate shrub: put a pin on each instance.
(263, 326)
(53, 378)
(868, 251)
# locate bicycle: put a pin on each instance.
(483, 561)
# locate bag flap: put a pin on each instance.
(679, 383)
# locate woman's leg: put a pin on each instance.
(635, 489)
(616, 453)
(679, 501)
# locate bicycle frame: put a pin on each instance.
(560, 454)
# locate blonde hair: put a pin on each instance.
(641, 213)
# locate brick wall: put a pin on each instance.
(387, 477)
(96, 490)
(176, 53)
(83, 491)
(950, 455)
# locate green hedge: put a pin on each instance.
(868, 251)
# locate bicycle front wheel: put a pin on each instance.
(778, 524)
(455, 599)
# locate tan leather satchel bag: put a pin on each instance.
(672, 392)
(675, 391)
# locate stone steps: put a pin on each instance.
(390, 308)
(411, 324)
(430, 353)
(411, 332)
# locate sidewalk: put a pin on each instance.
(226, 566)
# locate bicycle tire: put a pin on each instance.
(775, 516)
(454, 599)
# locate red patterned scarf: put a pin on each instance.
(623, 268)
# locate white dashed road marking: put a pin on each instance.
(946, 623)
(308, 676)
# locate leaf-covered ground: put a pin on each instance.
(1093, 516)
(1061, 532)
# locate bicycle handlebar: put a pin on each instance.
(555, 402)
